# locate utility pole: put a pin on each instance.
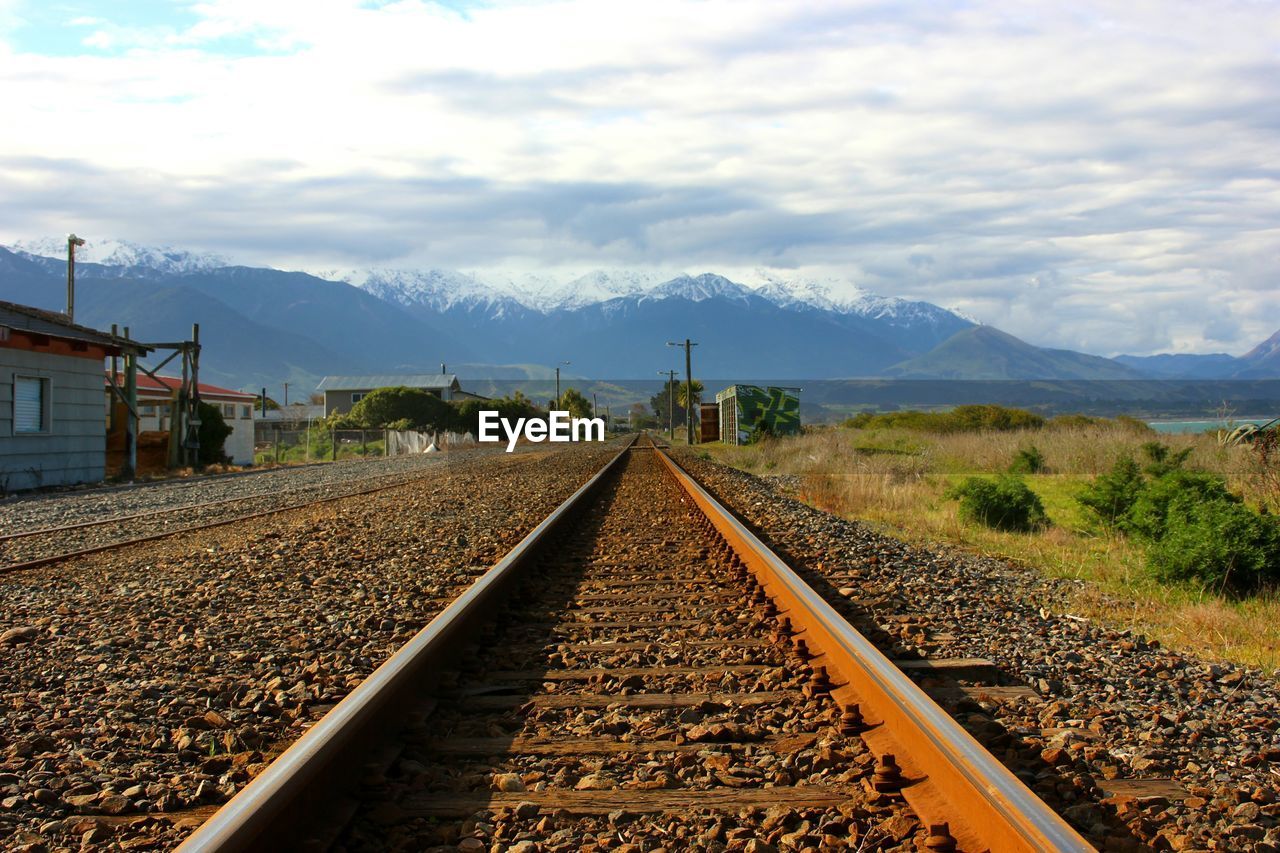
(558, 382)
(671, 403)
(688, 372)
(286, 393)
(72, 242)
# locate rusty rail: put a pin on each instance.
(270, 813)
(951, 778)
(955, 780)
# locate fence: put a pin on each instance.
(320, 445)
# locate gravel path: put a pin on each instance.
(1110, 704)
(158, 679)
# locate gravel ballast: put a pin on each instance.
(1108, 704)
(158, 679)
(36, 510)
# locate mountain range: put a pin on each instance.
(261, 327)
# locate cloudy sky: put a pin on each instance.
(1099, 176)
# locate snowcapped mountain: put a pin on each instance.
(843, 297)
(699, 289)
(433, 289)
(124, 254)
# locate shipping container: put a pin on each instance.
(749, 412)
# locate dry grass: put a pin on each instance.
(897, 480)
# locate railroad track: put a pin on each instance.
(639, 668)
(27, 549)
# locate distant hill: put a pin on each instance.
(1216, 365)
(1263, 361)
(986, 353)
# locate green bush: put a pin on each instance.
(1113, 494)
(384, 406)
(1161, 461)
(1216, 542)
(1148, 516)
(1028, 460)
(212, 434)
(1005, 503)
(959, 419)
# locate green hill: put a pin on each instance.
(984, 352)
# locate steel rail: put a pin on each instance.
(956, 780)
(178, 531)
(265, 815)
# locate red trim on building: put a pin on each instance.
(53, 345)
(169, 384)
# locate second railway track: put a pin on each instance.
(638, 670)
(26, 549)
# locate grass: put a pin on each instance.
(896, 479)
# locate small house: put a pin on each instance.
(343, 392)
(51, 430)
(157, 396)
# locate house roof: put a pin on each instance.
(29, 319)
(393, 380)
(169, 384)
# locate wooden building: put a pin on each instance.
(51, 430)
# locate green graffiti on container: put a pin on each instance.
(762, 412)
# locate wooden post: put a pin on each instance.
(333, 440)
(364, 444)
(277, 445)
(130, 469)
(195, 394)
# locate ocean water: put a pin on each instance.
(1203, 426)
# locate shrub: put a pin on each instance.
(1148, 514)
(1132, 424)
(1113, 494)
(1028, 460)
(212, 433)
(1160, 462)
(1216, 542)
(959, 419)
(383, 406)
(1005, 503)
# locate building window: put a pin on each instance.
(30, 405)
(246, 412)
(357, 396)
(229, 410)
(148, 411)
(166, 408)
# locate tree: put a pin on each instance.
(687, 399)
(660, 403)
(212, 434)
(641, 419)
(575, 403)
(466, 416)
(400, 406)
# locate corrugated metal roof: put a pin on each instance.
(368, 383)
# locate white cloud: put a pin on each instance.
(1092, 176)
